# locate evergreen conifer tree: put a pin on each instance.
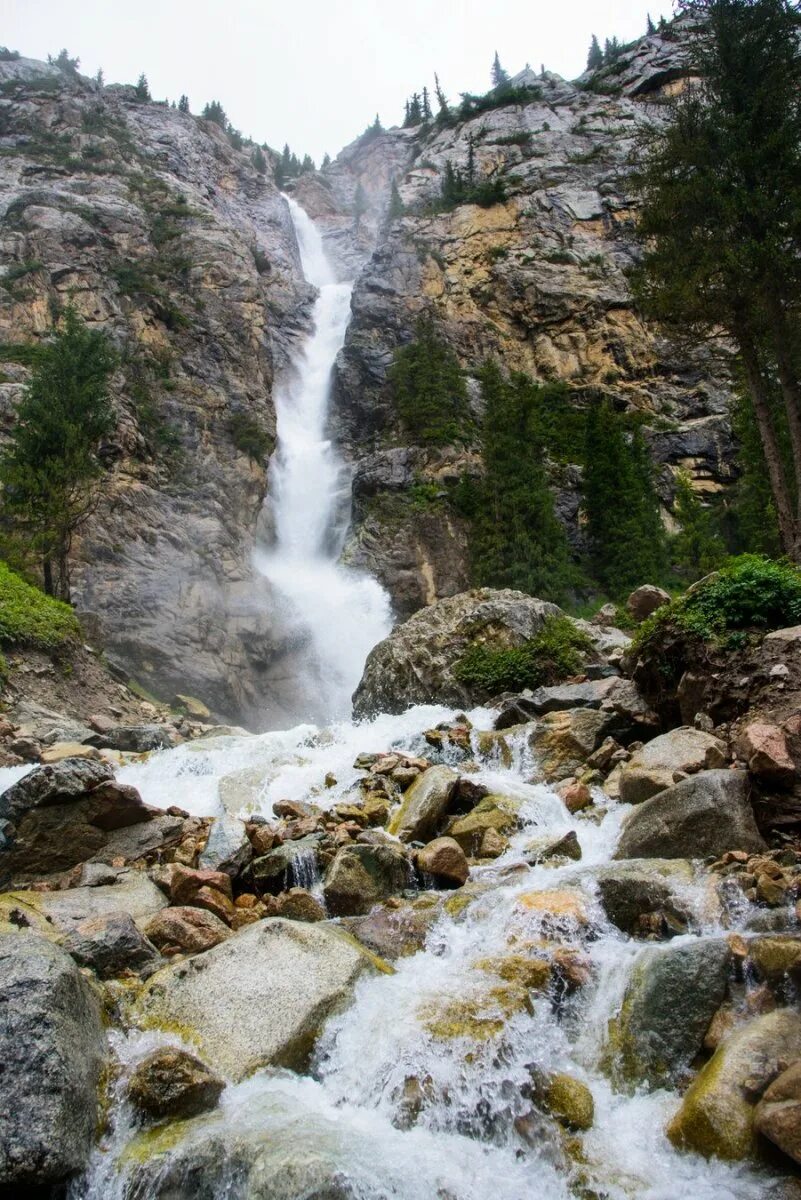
(395, 209)
(50, 468)
(326, 161)
(426, 105)
(697, 548)
(99, 78)
(258, 159)
(183, 104)
(627, 542)
(442, 99)
(650, 28)
(517, 539)
(214, 111)
(429, 389)
(595, 58)
(142, 89)
(500, 78)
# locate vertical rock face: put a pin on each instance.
(538, 280)
(167, 237)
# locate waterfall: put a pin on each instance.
(333, 614)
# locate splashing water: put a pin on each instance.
(467, 1133)
(335, 614)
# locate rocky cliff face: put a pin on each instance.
(164, 235)
(538, 280)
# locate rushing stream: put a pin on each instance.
(393, 1107)
(347, 1120)
(337, 614)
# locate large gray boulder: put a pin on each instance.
(57, 783)
(260, 998)
(52, 1050)
(631, 890)
(668, 759)
(133, 893)
(701, 817)
(672, 995)
(414, 665)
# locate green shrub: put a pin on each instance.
(749, 593)
(30, 618)
(248, 436)
(554, 654)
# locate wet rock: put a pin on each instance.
(645, 600)
(532, 973)
(136, 739)
(52, 1047)
(299, 905)
(57, 784)
(778, 1114)
(673, 993)
(567, 1099)
(173, 1083)
(227, 848)
(554, 849)
(186, 929)
(445, 860)
(191, 707)
(716, 1116)
(667, 760)
(563, 741)
(414, 665)
(60, 751)
(260, 998)
(110, 946)
(633, 890)
(776, 958)
(360, 876)
(576, 797)
(284, 866)
(394, 932)
(701, 817)
(493, 814)
(424, 805)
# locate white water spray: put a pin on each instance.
(335, 614)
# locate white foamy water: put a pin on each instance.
(335, 614)
(348, 1116)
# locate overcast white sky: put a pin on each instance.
(314, 72)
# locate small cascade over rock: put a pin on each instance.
(332, 614)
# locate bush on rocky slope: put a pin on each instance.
(553, 654)
(750, 594)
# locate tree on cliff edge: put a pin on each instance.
(721, 219)
(50, 469)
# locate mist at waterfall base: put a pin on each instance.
(330, 615)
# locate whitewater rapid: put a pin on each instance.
(332, 614)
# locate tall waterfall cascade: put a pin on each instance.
(336, 614)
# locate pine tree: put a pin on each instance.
(429, 389)
(258, 159)
(50, 468)
(376, 126)
(415, 110)
(697, 548)
(595, 58)
(721, 211)
(183, 104)
(612, 50)
(214, 111)
(442, 99)
(65, 64)
(627, 542)
(100, 79)
(426, 105)
(650, 28)
(407, 116)
(517, 539)
(500, 78)
(396, 208)
(307, 167)
(326, 161)
(142, 91)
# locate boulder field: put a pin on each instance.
(243, 942)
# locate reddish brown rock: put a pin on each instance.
(445, 859)
(763, 747)
(186, 882)
(778, 1114)
(185, 929)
